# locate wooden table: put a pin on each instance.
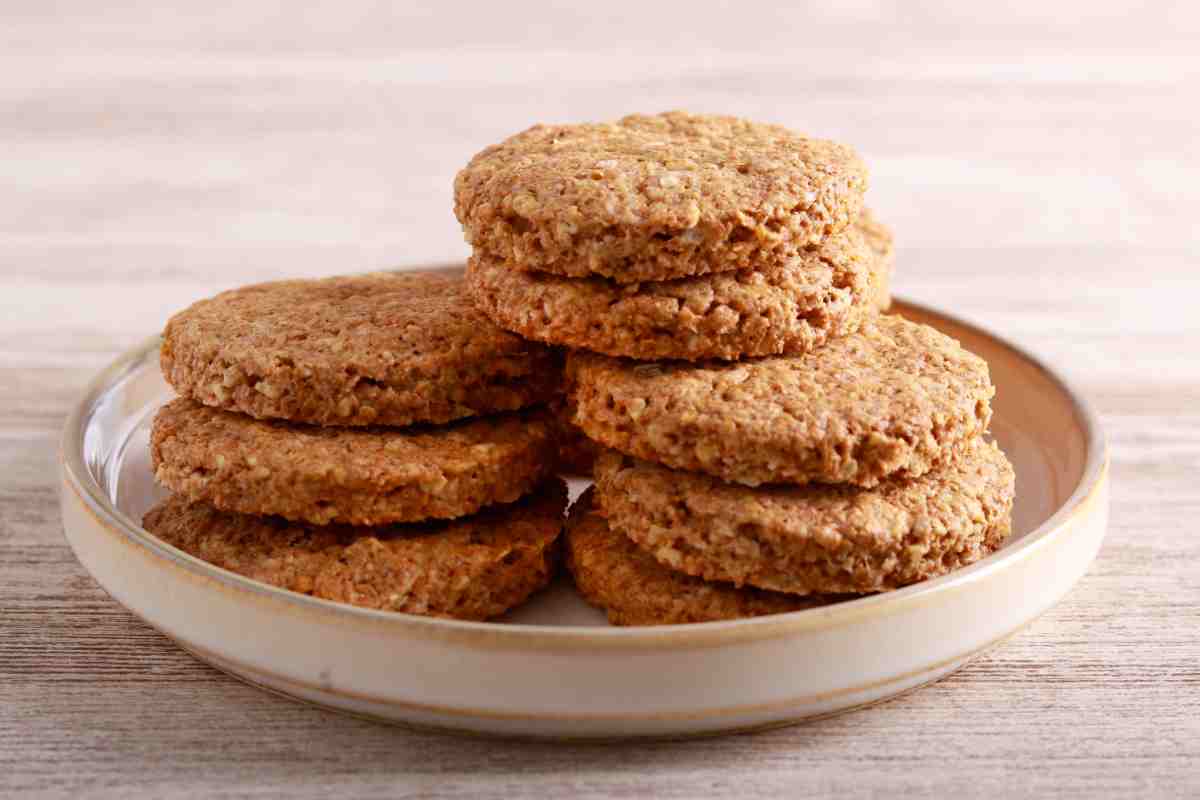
(1040, 169)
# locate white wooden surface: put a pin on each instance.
(1039, 166)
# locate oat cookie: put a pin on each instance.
(656, 197)
(821, 293)
(359, 476)
(381, 349)
(471, 568)
(616, 575)
(815, 539)
(892, 399)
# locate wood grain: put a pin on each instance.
(1038, 164)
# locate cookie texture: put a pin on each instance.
(576, 452)
(472, 568)
(381, 349)
(879, 238)
(614, 574)
(892, 399)
(656, 197)
(814, 539)
(359, 476)
(794, 307)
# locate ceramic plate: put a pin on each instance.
(555, 668)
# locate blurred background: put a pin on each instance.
(151, 153)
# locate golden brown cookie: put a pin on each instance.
(473, 568)
(358, 476)
(821, 293)
(614, 574)
(892, 399)
(650, 198)
(382, 349)
(815, 539)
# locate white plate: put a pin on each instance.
(554, 668)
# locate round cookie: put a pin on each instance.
(614, 574)
(892, 399)
(351, 475)
(879, 238)
(656, 197)
(381, 349)
(815, 539)
(472, 568)
(796, 307)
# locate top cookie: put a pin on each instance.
(656, 197)
(893, 399)
(381, 349)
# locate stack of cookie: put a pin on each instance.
(373, 440)
(770, 439)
